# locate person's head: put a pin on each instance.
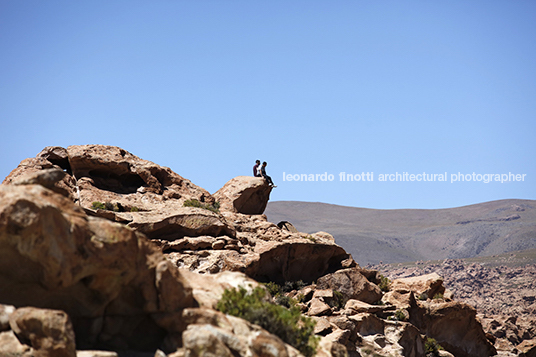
(258, 162)
(264, 163)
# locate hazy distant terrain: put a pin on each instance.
(402, 235)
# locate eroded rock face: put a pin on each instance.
(108, 278)
(211, 333)
(136, 191)
(181, 222)
(123, 291)
(427, 286)
(453, 325)
(244, 194)
(49, 332)
(507, 313)
(295, 259)
(30, 171)
(352, 284)
(114, 169)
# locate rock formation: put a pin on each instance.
(100, 249)
(502, 295)
(244, 194)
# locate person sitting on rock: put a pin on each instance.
(257, 169)
(265, 176)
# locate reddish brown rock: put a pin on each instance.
(135, 191)
(353, 307)
(244, 194)
(317, 307)
(211, 333)
(53, 256)
(5, 312)
(528, 348)
(455, 327)
(114, 169)
(401, 300)
(428, 285)
(352, 284)
(295, 259)
(39, 170)
(180, 222)
(11, 346)
(49, 332)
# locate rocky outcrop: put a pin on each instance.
(244, 194)
(145, 272)
(261, 250)
(109, 279)
(113, 169)
(351, 283)
(211, 333)
(453, 325)
(182, 222)
(48, 332)
(296, 259)
(503, 296)
(427, 286)
(128, 189)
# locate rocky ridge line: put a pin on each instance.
(144, 273)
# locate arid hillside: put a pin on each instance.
(105, 254)
(401, 235)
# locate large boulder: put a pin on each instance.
(376, 336)
(207, 289)
(296, 259)
(454, 325)
(124, 188)
(114, 169)
(244, 194)
(181, 222)
(262, 250)
(528, 348)
(211, 333)
(110, 174)
(40, 169)
(352, 284)
(425, 286)
(49, 332)
(112, 281)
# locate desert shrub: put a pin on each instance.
(288, 286)
(195, 203)
(431, 347)
(285, 301)
(400, 315)
(368, 352)
(385, 283)
(273, 288)
(311, 238)
(98, 205)
(438, 296)
(299, 298)
(278, 292)
(286, 323)
(338, 301)
(134, 209)
(423, 296)
(110, 206)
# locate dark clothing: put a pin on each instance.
(256, 171)
(265, 176)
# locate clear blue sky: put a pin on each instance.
(311, 87)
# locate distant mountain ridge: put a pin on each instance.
(402, 235)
